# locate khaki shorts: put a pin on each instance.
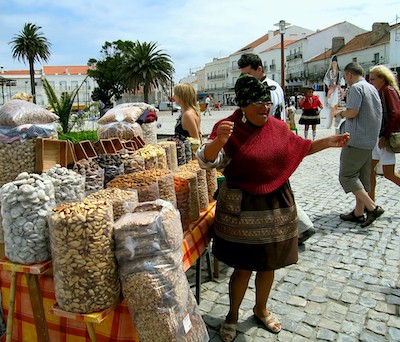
(355, 169)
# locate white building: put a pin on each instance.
(61, 79)
(305, 49)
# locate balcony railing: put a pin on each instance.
(216, 77)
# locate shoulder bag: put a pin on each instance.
(392, 143)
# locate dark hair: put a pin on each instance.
(249, 59)
(354, 68)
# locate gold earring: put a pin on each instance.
(244, 119)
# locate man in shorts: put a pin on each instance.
(363, 114)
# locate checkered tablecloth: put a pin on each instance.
(117, 326)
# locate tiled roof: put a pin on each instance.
(64, 70)
(278, 46)
(257, 42)
(15, 72)
(360, 42)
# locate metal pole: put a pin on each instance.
(170, 100)
(283, 63)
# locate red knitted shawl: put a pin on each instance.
(262, 158)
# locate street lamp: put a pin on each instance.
(282, 27)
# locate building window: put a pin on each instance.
(63, 85)
(376, 58)
(74, 84)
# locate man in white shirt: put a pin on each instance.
(208, 105)
(250, 63)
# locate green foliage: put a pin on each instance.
(76, 137)
(145, 66)
(31, 46)
(62, 107)
(106, 72)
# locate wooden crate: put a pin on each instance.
(85, 150)
(89, 149)
(71, 156)
(139, 141)
(117, 144)
(80, 152)
(50, 152)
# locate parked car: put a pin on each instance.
(166, 106)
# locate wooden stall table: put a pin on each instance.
(117, 326)
(31, 273)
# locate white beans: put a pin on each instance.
(25, 206)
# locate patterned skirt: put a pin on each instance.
(256, 232)
(310, 117)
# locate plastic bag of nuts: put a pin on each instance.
(133, 162)
(69, 186)
(169, 148)
(182, 190)
(112, 165)
(150, 132)
(145, 182)
(149, 253)
(180, 150)
(117, 197)
(82, 246)
(194, 166)
(93, 173)
(194, 204)
(212, 183)
(25, 205)
(15, 158)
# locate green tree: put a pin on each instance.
(146, 67)
(30, 45)
(106, 71)
(62, 106)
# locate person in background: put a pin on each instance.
(333, 80)
(255, 227)
(363, 114)
(383, 79)
(188, 123)
(207, 101)
(310, 104)
(250, 63)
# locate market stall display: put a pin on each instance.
(24, 207)
(16, 157)
(93, 174)
(148, 250)
(82, 248)
(69, 186)
(117, 198)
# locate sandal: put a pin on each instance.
(227, 332)
(352, 217)
(270, 322)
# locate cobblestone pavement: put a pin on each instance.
(345, 286)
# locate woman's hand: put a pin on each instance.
(332, 141)
(381, 143)
(224, 131)
(338, 140)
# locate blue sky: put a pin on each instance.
(192, 32)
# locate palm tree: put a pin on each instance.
(30, 45)
(145, 66)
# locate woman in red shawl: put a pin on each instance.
(255, 223)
